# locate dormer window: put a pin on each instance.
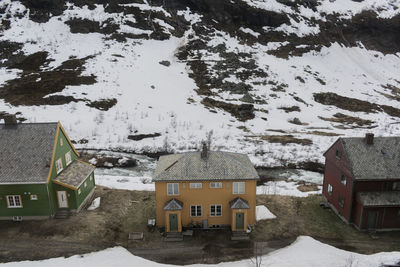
(68, 158)
(59, 166)
(338, 154)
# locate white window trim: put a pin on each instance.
(345, 179)
(214, 185)
(173, 189)
(79, 191)
(57, 169)
(69, 159)
(34, 197)
(236, 185)
(216, 214)
(196, 185)
(329, 189)
(14, 197)
(196, 211)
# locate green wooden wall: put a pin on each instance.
(40, 207)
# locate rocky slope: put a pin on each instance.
(277, 79)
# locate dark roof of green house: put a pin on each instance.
(173, 204)
(239, 203)
(75, 173)
(378, 161)
(25, 152)
(218, 165)
(385, 198)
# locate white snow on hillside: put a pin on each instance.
(155, 98)
(304, 252)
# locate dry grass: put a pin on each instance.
(286, 139)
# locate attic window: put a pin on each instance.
(61, 142)
(68, 158)
(343, 179)
(338, 154)
(59, 166)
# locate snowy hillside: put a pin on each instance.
(279, 80)
(301, 253)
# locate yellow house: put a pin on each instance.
(208, 189)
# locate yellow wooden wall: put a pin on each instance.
(205, 197)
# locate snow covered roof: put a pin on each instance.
(378, 161)
(173, 204)
(217, 166)
(25, 152)
(75, 173)
(386, 198)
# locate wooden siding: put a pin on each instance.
(205, 197)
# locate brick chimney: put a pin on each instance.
(204, 151)
(369, 138)
(10, 119)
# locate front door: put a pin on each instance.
(62, 199)
(173, 222)
(372, 217)
(239, 221)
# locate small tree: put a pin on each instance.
(257, 254)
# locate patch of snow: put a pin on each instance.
(108, 164)
(284, 188)
(93, 161)
(250, 31)
(304, 252)
(95, 204)
(263, 213)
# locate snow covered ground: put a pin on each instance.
(263, 213)
(154, 98)
(304, 252)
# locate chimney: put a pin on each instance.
(204, 151)
(369, 138)
(10, 119)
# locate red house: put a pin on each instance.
(362, 181)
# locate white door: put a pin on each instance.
(62, 199)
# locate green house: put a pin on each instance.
(40, 173)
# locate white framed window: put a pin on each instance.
(61, 142)
(59, 166)
(85, 184)
(68, 158)
(34, 197)
(91, 177)
(330, 189)
(195, 211)
(215, 185)
(343, 179)
(216, 210)
(196, 185)
(79, 191)
(14, 201)
(238, 187)
(172, 189)
(338, 154)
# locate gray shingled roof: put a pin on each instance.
(25, 152)
(218, 166)
(75, 173)
(386, 198)
(381, 160)
(173, 204)
(239, 203)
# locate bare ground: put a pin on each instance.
(122, 212)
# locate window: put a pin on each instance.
(238, 187)
(195, 211)
(34, 197)
(216, 210)
(79, 191)
(330, 189)
(14, 201)
(216, 185)
(91, 177)
(173, 189)
(85, 184)
(196, 185)
(343, 179)
(341, 201)
(68, 158)
(61, 142)
(59, 166)
(338, 154)
(396, 186)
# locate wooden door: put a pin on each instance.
(239, 221)
(62, 199)
(173, 222)
(372, 218)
